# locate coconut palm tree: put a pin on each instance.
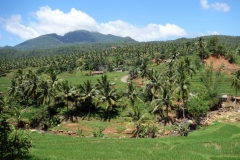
(132, 96)
(87, 95)
(201, 45)
(31, 85)
(183, 84)
(188, 66)
(108, 95)
(54, 81)
(163, 103)
(13, 88)
(236, 82)
(66, 89)
(44, 93)
(156, 82)
(1, 103)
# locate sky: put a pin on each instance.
(142, 20)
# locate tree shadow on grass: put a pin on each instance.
(24, 157)
(111, 114)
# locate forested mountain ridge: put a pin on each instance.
(50, 41)
(64, 48)
(223, 39)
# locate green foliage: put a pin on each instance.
(236, 81)
(218, 141)
(99, 133)
(39, 117)
(198, 104)
(13, 143)
(79, 132)
(76, 37)
(146, 131)
(181, 128)
(211, 80)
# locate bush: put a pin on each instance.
(99, 132)
(13, 143)
(181, 128)
(145, 131)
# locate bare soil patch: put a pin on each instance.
(110, 130)
(221, 63)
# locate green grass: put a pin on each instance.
(219, 141)
(80, 78)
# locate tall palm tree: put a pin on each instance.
(87, 94)
(156, 82)
(132, 96)
(188, 66)
(236, 83)
(1, 103)
(44, 93)
(31, 84)
(54, 81)
(143, 70)
(183, 85)
(66, 88)
(107, 94)
(201, 45)
(163, 103)
(13, 88)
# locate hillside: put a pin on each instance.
(223, 39)
(222, 64)
(82, 41)
(71, 38)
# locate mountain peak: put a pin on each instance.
(79, 36)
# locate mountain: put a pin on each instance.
(49, 41)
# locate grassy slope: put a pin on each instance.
(219, 141)
(76, 78)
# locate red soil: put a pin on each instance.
(222, 63)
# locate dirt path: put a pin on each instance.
(124, 79)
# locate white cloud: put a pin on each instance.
(14, 26)
(200, 34)
(56, 21)
(204, 4)
(50, 21)
(148, 33)
(221, 7)
(213, 33)
(216, 6)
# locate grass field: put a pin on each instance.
(75, 78)
(219, 141)
(80, 78)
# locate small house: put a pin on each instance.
(97, 72)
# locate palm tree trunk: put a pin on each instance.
(108, 113)
(166, 120)
(67, 106)
(183, 109)
(89, 111)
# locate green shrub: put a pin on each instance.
(99, 132)
(145, 131)
(13, 143)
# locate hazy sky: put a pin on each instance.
(143, 20)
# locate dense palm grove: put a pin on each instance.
(167, 86)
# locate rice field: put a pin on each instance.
(219, 141)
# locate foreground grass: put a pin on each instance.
(219, 141)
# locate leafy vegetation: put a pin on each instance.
(76, 37)
(13, 143)
(42, 92)
(219, 141)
